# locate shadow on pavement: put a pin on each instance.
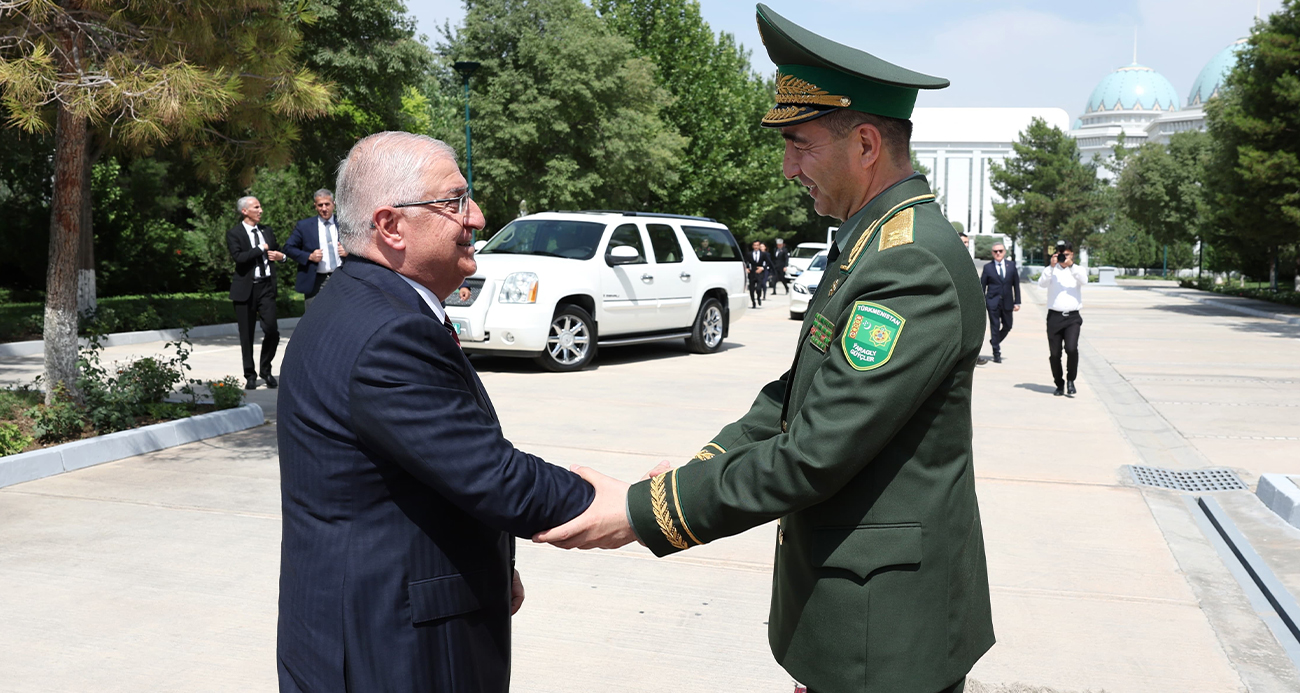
(1035, 387)
(1257, 326)
(605, 358)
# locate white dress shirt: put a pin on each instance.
(1064, 287)
(428, 297)
(327, 235)
(255, 238)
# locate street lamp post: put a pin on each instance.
(466, 69)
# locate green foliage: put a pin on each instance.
(733, 170)
(131, 313)
(1255, 122)
(1047, 192)
(227, 393)
(566, 114)
(984, 246)
(12, 400)
(62, 419)
(1161, 188)
(1288, 298)
(115, 397)
(12, 439)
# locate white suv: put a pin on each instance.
(557, 285)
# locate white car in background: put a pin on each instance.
(805, 285)
(557, 285)
(802, 256)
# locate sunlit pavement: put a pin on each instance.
(159, 572)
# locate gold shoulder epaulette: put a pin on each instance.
(898, 230)
(887, 220)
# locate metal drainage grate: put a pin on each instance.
(1214, 479)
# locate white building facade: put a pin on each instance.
(957, 145)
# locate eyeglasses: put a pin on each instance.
(462, 202)
(998, 251)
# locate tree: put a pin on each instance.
(733, 171)
(566, 114)
(1161, 189)
(219, 76)
(370, 52)
(1047, 192)
(1255, 123)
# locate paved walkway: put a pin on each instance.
(160, 571)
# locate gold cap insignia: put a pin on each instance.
(791, 89)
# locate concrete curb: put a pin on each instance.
(1228, 305)
(80, 454)
(229, 329)
(1281, 494)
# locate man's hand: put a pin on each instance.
(1016, 308)
(342, 252)
(315, 256)
(660, 468)
(603, 525)
(516, 593)
(1069, 262)
(274, 255)
(1053, 256)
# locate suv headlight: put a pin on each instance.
(800, 288)
(520, 287)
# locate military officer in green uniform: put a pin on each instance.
(862, 450)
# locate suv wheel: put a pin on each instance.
(571, 341)
(706, 334)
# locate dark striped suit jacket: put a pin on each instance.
(400, 496)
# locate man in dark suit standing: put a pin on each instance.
(780, 260)
(1001, 284)
(314, 245)
(401, 496)
(252, 288)
(757, 267)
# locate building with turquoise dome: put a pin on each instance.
(1206, 87)
(1127, 101)
(1139, 102)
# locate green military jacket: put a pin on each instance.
(863, 452)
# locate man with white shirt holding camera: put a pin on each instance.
(1064, 282)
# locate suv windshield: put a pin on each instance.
(576, 240)
(818, 263)
(805, 252)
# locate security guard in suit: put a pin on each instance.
(862, 450)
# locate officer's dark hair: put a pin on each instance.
(896, 133)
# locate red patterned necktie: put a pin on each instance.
(446, 322)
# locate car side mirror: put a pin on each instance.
(622, 255)
(478, 245)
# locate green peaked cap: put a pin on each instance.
(816, 75)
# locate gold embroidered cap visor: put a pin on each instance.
(816, 76)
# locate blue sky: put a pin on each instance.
(995, 52)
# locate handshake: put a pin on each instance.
(604, 524)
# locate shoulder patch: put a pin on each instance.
(871, 335)
(898, 230)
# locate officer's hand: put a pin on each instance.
(660, 468)
(315, 256)
(603, 525)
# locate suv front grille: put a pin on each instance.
(475, 288)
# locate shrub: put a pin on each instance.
(12, 439)
(60, 421)
(227, 393)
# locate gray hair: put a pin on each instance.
(322, 193)
(382, 169)
(244, 203)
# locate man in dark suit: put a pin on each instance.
(780, 260)
(1001, 285)
(757, 267)
(400, 493)
(252, 288)
(314, 245)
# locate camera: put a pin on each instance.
(1060, 257)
